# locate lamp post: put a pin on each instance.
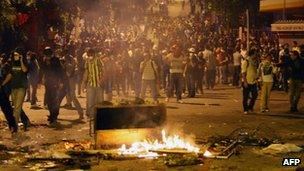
(248, 29)
(284, 10)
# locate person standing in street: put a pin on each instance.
(54, 79)
(69, 68)
(191, 71)
(210, 67)
(137, 58)
(295, 66)
(177, 69)
(265, 73)
(296, 80)
(200, 73)
(237, 58)
(18, 83)
(93, 82)
(5, 104)
(149, 73)
(33, 77)
(249, 78)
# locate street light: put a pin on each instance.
(284, 10)
(248, 29)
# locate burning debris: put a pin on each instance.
(171, 150)
(149, 148)
(225, 146)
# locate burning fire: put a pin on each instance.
(143, 149)
(207, 154)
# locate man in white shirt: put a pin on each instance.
(210, 67)
(148, 69)
(177, 68)
(236, 67)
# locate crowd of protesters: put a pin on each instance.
(170, 56)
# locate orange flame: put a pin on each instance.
(143, 149)
(207, 154)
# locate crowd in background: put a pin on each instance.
(169, 56)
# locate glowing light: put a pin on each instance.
(207, 154)
(143, 149)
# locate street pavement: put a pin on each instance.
(214, 113)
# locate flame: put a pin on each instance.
(207, 154)
(143, 149)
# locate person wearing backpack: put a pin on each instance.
(148, 69)
(265, 73)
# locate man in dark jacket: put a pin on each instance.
(53, 77)
(4, 101)
(295, 66)
(69, 66)
(33, 78)
(296, 79)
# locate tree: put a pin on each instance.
(229, 11)
(7, 15)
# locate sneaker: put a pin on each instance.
(245, 112)
(180, 101)
(167, 99)
(263, 111)
(267, 110)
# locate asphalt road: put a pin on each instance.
(214, 113)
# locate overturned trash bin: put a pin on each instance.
(117, 125)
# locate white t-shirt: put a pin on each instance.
(237, 58)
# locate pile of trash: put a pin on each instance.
(50, 156)
(262, 136)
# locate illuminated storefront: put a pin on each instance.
(289, 31)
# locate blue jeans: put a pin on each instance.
(176, 81)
